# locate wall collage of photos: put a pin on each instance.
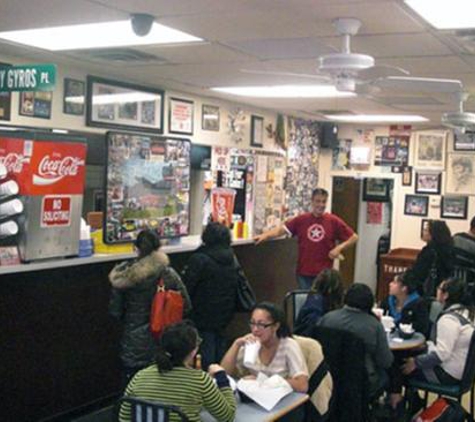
(147, 185)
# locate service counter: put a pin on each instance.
(59, 346)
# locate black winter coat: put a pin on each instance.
(134, 286)
(415, 313)
(211, 277)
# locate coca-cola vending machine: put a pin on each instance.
(50, 172)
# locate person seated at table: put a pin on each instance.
(279, 353)
(357, 317)
(173, 381)
(447, 349)
(405, 304)
(326, 295)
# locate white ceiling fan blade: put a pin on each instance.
(420, 84)
(381, 71)
(322, 78)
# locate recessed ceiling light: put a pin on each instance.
(376, 118)
(285, 91)
(453, 14)
(96, 35)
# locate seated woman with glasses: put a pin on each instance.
(278, 354)
(173, 381)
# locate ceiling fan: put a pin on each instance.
(354, 72)
(460, 120)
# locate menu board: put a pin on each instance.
(147, 185)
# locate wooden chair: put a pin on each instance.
(150, 411)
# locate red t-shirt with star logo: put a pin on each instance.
(317, 236)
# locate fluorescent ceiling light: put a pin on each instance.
(444, 14)
(376, 118)
(285, 91)
(96, 35)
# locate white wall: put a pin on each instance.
(405, 228)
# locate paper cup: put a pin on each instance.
(9, 188)
(11, 207)
(251, 352)
(379, 312)
(10, 228)
(388, 322)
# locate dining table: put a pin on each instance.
(396, 342)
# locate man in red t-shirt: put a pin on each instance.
(318, 233)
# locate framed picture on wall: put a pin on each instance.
(430, 150)
(5, 101)
(180, 117)
(464, 141)
(407, 175)
(416, 205)
(460, 179)
(257, 131)
(375, 190)
(428, 183)
(35, 104)
(115, 104)
(454, 207)
(210, 117)
(424, 225)
(73, 97)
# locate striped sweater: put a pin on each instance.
(190, 389)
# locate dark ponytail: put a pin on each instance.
(175, 344)
(147, 242)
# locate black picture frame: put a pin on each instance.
(376, 190)
(257, 131)
(5, 101)
(424, 223)
(145, 115)
(428, 183)
(210, 118)
(180, 116)
(35, 104)
(464, 141)
(73, 91)
(416, 205)
(406, 176)
(454, 207)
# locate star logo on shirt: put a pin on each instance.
(315, 233)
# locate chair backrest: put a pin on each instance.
(463, 273)
(345, 354)
(468, 376)
(151, 411)
(293, 302)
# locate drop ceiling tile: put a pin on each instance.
(430, 65)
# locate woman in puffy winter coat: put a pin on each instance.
(211, 277)
(134, 284)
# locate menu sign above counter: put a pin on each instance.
(35, 77)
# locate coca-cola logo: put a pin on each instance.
(52, 170)
(13, 162)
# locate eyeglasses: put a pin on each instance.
(260, 325)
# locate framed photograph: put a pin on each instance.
(424, 225)
(454, 207)
(180, 117)
(407, 175)
(210, 117)
(464, 141)
(430, 150)
(391, 150)
(73, 97)
(460, 179)
(114, 104)
(5, 101)
(376, 190)
(35, 104)
(257, 131)
(416, 205)
(428, 183)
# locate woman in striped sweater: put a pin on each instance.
(172, 380)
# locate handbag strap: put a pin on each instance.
(160, 285)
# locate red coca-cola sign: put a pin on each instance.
(44, 167)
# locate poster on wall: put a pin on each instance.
(430, 150)
(35, 104)
(391, 150)
(181, 116)
(147, 185)
(341, 155)
(460, 174)
(374, 212)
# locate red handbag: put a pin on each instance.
(167, 309)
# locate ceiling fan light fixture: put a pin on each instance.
(459, 120)
(344, 62)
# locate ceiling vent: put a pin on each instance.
(118, 55)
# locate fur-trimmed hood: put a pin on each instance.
(125, 275)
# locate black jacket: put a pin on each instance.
(441, 258)
(134, 285)
(211, 277)
(415, 313)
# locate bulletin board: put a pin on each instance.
(147, 184)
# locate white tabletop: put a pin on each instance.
(252, 412)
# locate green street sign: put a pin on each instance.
(34, 77)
